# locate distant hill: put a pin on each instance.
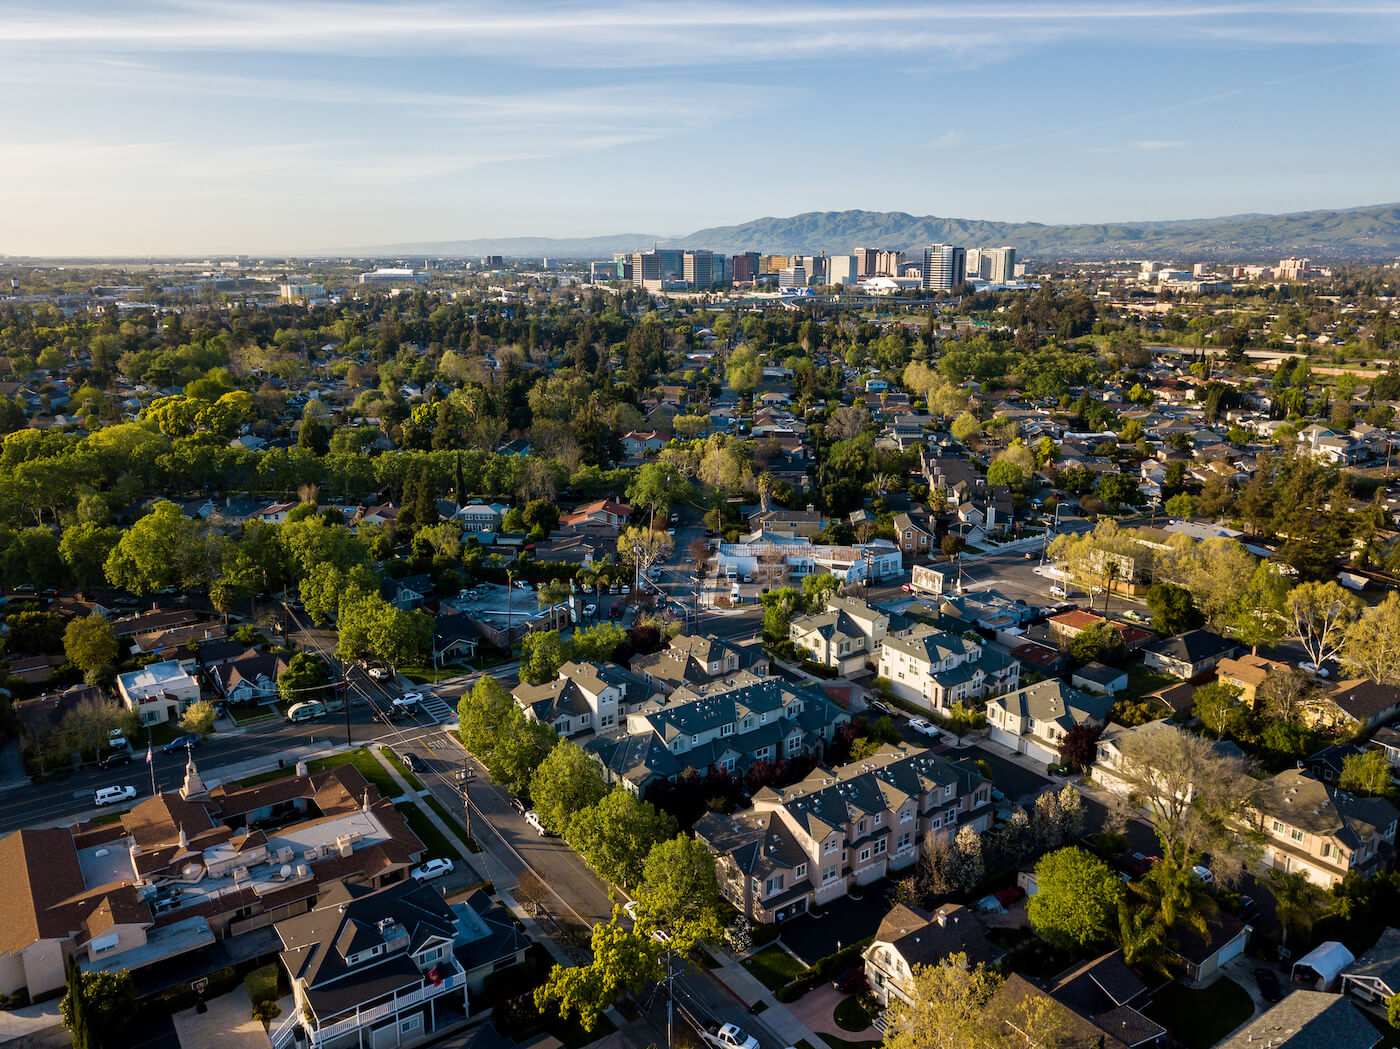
(1354, 233)
(1368, 233)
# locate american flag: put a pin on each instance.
(149, 756)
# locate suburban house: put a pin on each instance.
(410, 592)
(251, 678)
(1068, 625)
(1098, 1004)
(914, 534)
(372, 966)
(1355, 704)
(1375, 976)
(482, 517)
(725, 726)
(455, 637)
(1201, 957)
(909, 936)
(186, 868)
(158, 692)
(807, 843)
(1308, 1020)
(1188, 655)
(637, 444)
(1099, 679)
(1109, 759)
(844, 636)
(1246, 673)
(1313, 827)
(585, 697)
(790, 523)
(934, 670)
(694, 659)
(600, 517)
(1033, 720)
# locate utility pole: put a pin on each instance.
(343, 687)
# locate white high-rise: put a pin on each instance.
(945, 267)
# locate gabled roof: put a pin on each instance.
(1381, 963)
(1308, 1020)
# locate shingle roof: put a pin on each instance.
(1308, 1020)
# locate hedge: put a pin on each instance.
(825, 969)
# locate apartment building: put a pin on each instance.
(584, 697)
(806, 844)
(933, 669)
(1033, 720)
(723, 726)
(1312, 827)
(695, 659)
(842, 637)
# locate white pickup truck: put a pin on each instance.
(730, 1036)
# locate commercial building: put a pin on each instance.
(792, 277)
(842, 269)
(301, 292)
(945, 267)
(808, 843)
(744, 268)
(392, 276)
(1000, 264)
(865, 261)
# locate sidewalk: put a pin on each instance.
(778, 1017)
(34, 1025)
(469, 858)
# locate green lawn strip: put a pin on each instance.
(438, 844)
(256, 716)
(850, 1015)
(773, 967)
(431, 676)
(401, 769)
(452, 822)
(1198, 1019)
(368, 765)
(262, 984)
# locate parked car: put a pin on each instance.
(414, 763)
(730, 1036)
(116, 757)
(1058, 591)
(851, 981)
(1203, 873)
(626, 588)
(675, 517)
(1269, 986)
(590, 610)
(189, 739)
(615, 612)
(928, 728)
(517, 804)
(432, 869)
(1313, 669)
(883, 708)
(379, 673)
(709, 533)
(906, 588)
(112, 795)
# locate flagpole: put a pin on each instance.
(150, 762)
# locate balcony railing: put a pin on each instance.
(317, 1034)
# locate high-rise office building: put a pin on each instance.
(1001, 268)
(792, 277)
(815, 265)
(945, 267)
(841, 269)
(698, 269)
(744, 267)
(865, 261)
(889, 263)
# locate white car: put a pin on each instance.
(590, 610)
(928, 728)
(432, 869)
(112, 795)
(1313, 669)
(1058, 591)
(1203, 873)
(378, 674)
(533, 819)
(731, 1036)
(409, 701)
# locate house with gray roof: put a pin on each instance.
(910, 936)
(1308, 1020)
(806, 844)
(1375, 976)
(729, 726)
(1313, 827)
(698, 658)
(585, 697)
(1035, 719)
(843, 636)
(934, 670)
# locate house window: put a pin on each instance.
(880, 846)
(865, 855)
(775, 884)
(694, 740)
(906, 815)
(831, 846)
(800, 871)
(726, 730)
(903, 841)
(606, 720)
(1295, 834)
(1278, 827)
(748, 723)
(879, 818)
(794, 744)
(829, 875)
(1327, 851)
(585, 719)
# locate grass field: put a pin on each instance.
(773, 966)
(262, 984)
(428, 833)
(1198, 1019)
(450, 820)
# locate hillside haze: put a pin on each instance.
(1362, 234)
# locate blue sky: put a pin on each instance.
(201, 127)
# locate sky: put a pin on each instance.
(198, 127)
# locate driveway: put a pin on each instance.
(1017, 782)
(842, 923)
(227, 1024)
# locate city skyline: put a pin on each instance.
(310, 127)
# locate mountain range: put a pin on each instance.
(1369, 233)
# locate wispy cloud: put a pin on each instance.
(1154, 144)
(947, 140)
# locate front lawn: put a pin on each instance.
(773, 966)
(368, 765)
(453, 823)
(1141, 681)
(436, 841)
(1198, 1019)
(850, 1015)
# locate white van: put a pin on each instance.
(112, 795)
(308, 711)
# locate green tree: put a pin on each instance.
(1392, 1010)
(567, 781)
(1366, 773)
(1220, 710)
(1297, 901)
(616, 835)
(1003, 472)
(779, 608)
(327, 586)
(1321, 615)
(656, 487)
(1098, 642)
(104, 1005)
(1372, 646)
(816, 588)
(1257, 616)
(73, 1008)
(1173, 609)
(965, 427)
(1180, 506)
(948, 1007)
(1077, 899)
(198, 717)
(398, 637)
(159, 551)
(598, 642)
(542, 653)
(479, 711)
(305, 678)
(622, 961)
(678, 893)
(85, 548)
(743, 370)
(91, 643)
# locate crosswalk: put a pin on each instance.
(436, 708)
